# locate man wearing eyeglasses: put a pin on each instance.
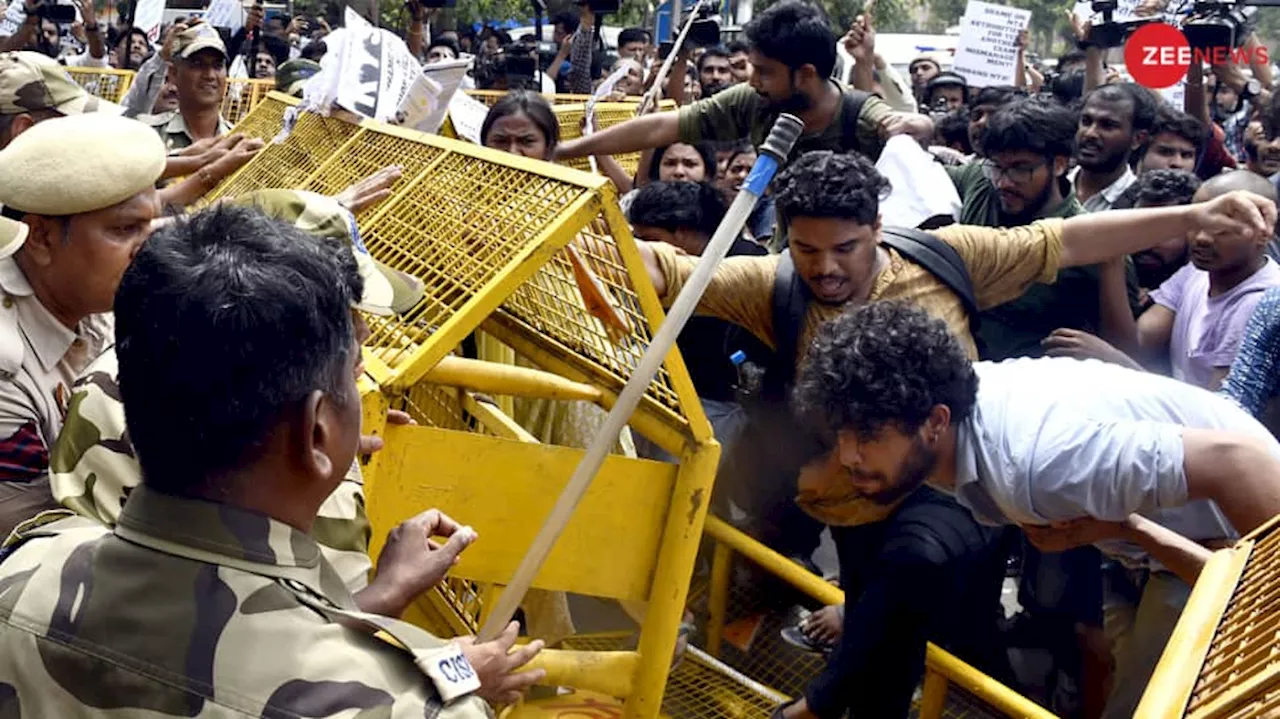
(1026, 149)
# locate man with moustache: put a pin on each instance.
(199, 72)
(1115, 122)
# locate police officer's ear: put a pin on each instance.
(19, 124)
(320, 433)
(46, 237)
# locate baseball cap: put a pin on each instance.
(12, 234)
(386, 291)
(31, 81)
(200, 36)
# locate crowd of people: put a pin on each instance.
(1066, 381)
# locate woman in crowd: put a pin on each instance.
(759, 227)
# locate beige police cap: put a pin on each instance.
(199, 37)
(12, 235)
(30, 81)
(81, 163)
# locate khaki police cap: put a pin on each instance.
(71, 165)
(199, 37)
(31, 81)
(12, 235)
(386, 291)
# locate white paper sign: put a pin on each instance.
(987, 53)
(468, 116)
(442, 80)
(921, 188)
(147, 17)
(225, 13)
(377, 71)
(1176, 95)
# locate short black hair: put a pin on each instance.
(240, 317)
(883, 364)
(531, 105)
(1163, 188)
(633, 34)
(796, 34)
(446, 42)
(1142, 101)
(705, 150)
(1068, 86)
(673, 206)
(953, 127)
(998, 95)
(315, 50)
(737, 46)
(1176, 122)
(1032, 124)
(567, 20)
(1070, 57)
(829, 184)
(716, 51)
(924, 58)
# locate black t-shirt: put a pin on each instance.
(706, 344)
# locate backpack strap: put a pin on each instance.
(852, 102)
(941, 260)
(790, 303)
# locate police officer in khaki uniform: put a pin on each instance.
(85, 187)
(34, 87)
(199, 72)
(238, 355)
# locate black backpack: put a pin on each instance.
(791, 297)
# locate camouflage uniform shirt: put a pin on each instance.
(93, 469)
(195, 609)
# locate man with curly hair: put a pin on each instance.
(1151, 470)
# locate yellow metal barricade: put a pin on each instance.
(241, 97)
(500, 244)
(265, 120)
(1223, 659)
(107, 83)
(489, 97)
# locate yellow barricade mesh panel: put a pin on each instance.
(372, 150)
(107, 83)
(456, 229)
(242, 96)
(551, 305)
(266, 118)
(608, 114)
(1245, 648)
(289, 164)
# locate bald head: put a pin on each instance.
(1236, 180)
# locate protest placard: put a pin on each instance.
(467, 114)
(147, 17)
(987, 53)
(225, 13)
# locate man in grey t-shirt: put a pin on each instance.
(1151, 470)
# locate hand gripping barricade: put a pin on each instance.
(496, 240)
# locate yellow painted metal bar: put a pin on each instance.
(699, 426)
(718, 596)
(497, 421)
(933, 696)
(1174, 678)
(491, 349)
(670, 589)
(775, 563)
(373, 420)
(1229, 703)
(982, 686)
(484, 302)
(974, 681)
(610, 673)
(663, 428)
(506, 379)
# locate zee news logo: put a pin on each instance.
(1158, 55)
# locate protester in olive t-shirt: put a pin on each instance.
(793, 51)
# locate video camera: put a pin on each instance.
(513, 67)
(1109, 32)
(1219, 24)
(56, 13)
(705, 30)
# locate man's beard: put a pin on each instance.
(712, 89)
(1032, 209)
(914, 470)
(1106, 164)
